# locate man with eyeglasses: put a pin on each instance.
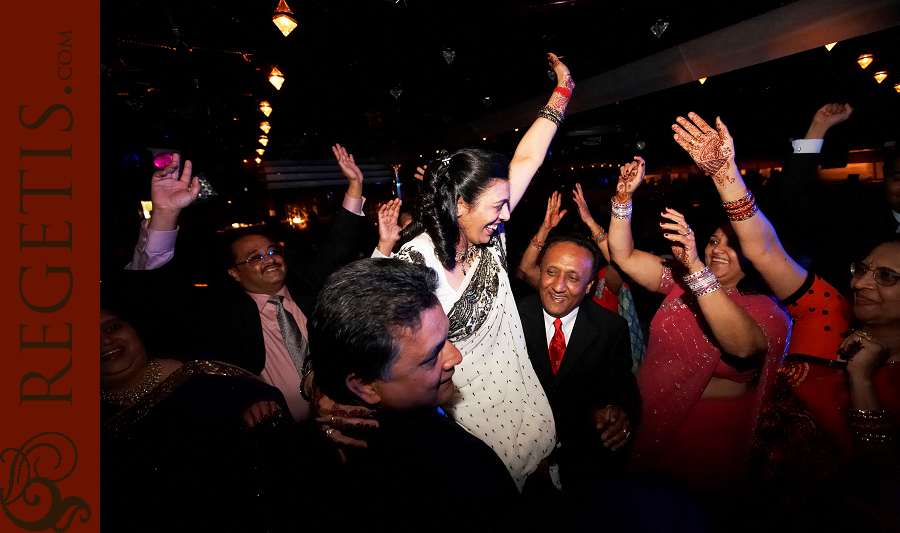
(260, 326)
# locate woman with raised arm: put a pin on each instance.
(713, 349)
(457, 230)
(860, 408)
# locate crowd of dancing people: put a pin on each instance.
(424, 388)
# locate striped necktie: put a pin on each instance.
(297, 345)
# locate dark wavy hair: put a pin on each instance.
(464, 174)
(361, 313)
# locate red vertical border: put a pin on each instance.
(49, 380)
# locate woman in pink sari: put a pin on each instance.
(712, 355)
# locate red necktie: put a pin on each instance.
(557, 346)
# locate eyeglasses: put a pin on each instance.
(256, 258)
(883, 275)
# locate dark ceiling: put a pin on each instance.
(189, 75)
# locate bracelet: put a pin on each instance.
(742, 208)
(536, 243)
(702, 282)
(552, 115)
(563, 91)
(621, 211)
(600, 236)
(872, 426)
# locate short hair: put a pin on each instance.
(227, 249)
(360, 315)
(597, 259)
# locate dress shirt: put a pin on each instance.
(280, 371)
(568, 324)
(807, 146)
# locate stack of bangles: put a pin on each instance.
(555, 110)
(872, 426)
(741, 209)
(536, 243)
(600, 236)
(702, 282)
(621, 211)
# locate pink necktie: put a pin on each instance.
(557, 346)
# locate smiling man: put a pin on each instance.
(582, 355)
(378, 338)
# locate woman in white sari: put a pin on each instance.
(457, 230)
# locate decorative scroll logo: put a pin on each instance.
(32, 490)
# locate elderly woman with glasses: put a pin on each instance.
(856, 405)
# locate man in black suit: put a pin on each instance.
(378, 339)
(581, 353)
(240, 323)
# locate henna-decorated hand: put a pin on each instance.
(863, 353)
(553, 214)
(615, 426)
(712, 150)
(261, 414)
(563, 76)
(337, 420)
(685, 247)
(583, 210)
(630, 178)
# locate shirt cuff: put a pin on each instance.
(807, 146)
(153, 249)
(376, 254)
(354, 205)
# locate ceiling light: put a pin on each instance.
(449, 55)
(865, 60)
(283, 19)
(897, 87)
(880, 76)
(263, 140)
(258, 160)
(659, 27)
(702, 81)
(276, 78)
(829, 46)
(265, 107)
(265, 127)
(260, 151)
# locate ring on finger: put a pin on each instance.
(328, 431)
(693, 142)
(864, 335)
(688, 232)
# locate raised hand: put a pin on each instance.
(388, 228)
(420, 172)
(169, 191)
(583, 210)
(563, 79)
(630, 178)
(712, 150)
(352, 172)
(685, 247)
(827, 116)
(553, 214)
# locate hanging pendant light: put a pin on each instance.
(265, 127)
(263, 140)
(880, 76)
(260, 151)
(265, 107)
(258, 160)
(897, 87)
(283, 18)
(702, 81)
(829, 46)
(276, 78)
(865, 60)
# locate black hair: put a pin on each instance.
(752, 282)
(597, 259)
(465, 174)
(359, 316)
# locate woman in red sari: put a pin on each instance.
(713, 350)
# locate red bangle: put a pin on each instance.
(563, 91)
